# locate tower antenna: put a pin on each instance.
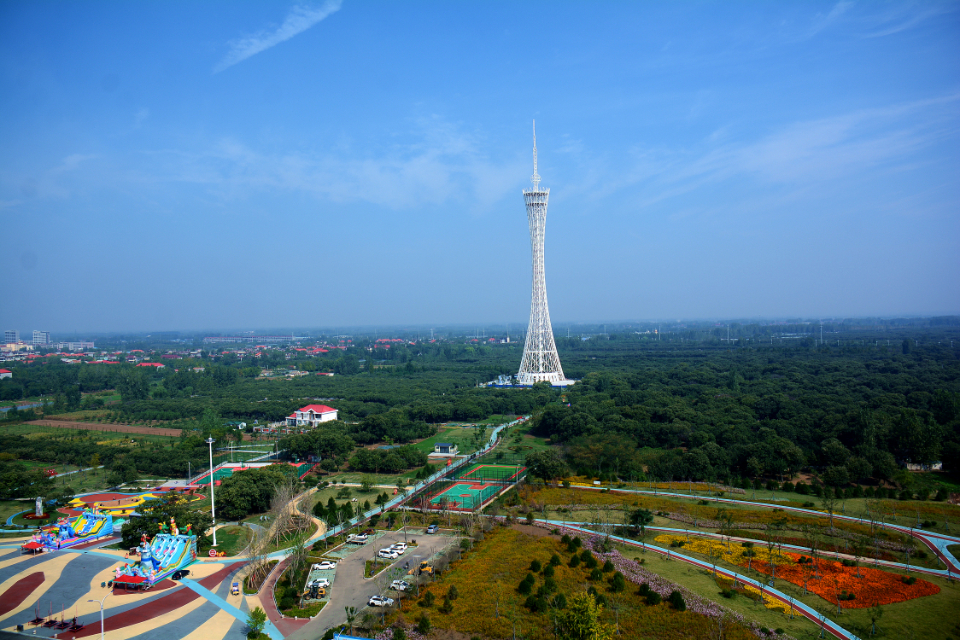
(535, 178)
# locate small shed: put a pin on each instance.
(445, 449)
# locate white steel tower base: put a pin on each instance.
(540, 360)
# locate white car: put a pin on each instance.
(359, 538)
(390, 554)
(320, 583)
(323, 565)
(380, 601)
(399, 585)
(399, 547)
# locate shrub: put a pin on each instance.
(423, 625)
(554, 560)
(565, 540)
(644, 589)
(399, 633)
(452, 592)
(618, 583)
(427, 600)
(676, 599)
(574, 562)
(595, 575)
(591, 563)
(548, 571)
(607, 567)
(560, 601)
(447, 606)
(577, 542)
(653, 598)
(535, 566)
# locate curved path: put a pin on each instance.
(936, 542)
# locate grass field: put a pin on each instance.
(232, 540)
(104, 436)
(460, 436)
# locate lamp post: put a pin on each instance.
(213, 509)
(101, 614)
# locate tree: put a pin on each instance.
(256, 621)
(546, 465)
(639, 519)
(581, 620)
(351, 616)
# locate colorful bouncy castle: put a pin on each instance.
(167, 552)
(88, 526)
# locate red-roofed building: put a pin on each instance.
(311, 415)
(151, 364)
(5, 373)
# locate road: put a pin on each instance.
(351, 589)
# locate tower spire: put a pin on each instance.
(536, 176)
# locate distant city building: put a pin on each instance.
(41, 338)
(79, 345)
(311, 415)
(255, 339)
(5, 373)
(11, 336)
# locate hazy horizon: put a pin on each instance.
(174, 166)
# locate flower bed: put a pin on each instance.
(828, 579)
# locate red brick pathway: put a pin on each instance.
(19, 591)
(285, 625)
(157, 607)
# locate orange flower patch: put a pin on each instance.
(832, 581)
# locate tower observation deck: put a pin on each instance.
(540, 360)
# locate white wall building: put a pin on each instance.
(311, 415)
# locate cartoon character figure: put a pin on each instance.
(189, 529)
(173, 527)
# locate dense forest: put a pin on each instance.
(701, 402)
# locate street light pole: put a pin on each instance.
(213, 509)
(101, 614)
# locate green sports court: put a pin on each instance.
(464, 495)
(492, 473)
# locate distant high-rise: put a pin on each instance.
(11, 336)
(540, 360)
(40, 338)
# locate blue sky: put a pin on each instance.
(185, 165)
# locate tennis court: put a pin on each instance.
(494, 472)
(465, 495)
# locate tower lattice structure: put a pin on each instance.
(540, 360)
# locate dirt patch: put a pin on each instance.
(116, 428)
(531, 530)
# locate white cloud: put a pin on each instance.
(298, 20)
(440, 165)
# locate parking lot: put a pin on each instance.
(351, 589)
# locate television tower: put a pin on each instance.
(540, 360)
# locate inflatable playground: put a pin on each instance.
(118, 504)
(167, 552)
(474, 487)
(89, 525)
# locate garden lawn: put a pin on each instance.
(497, 565)
(232, 540)
(460, 436)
